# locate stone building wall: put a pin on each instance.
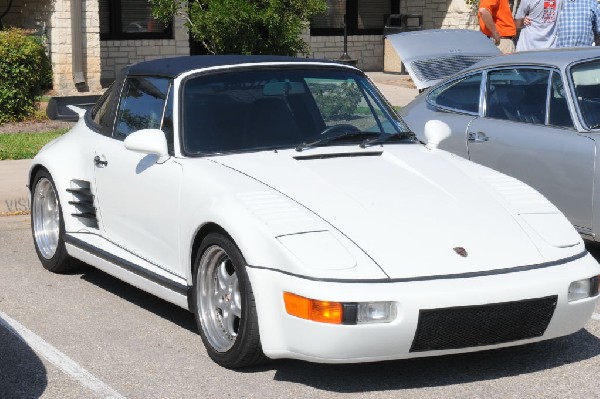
(442, 14)
(116, 54)
(102, 59)
(61, 50)
(368, 50)
(51, 19)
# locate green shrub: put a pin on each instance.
(24, 72)
(243, 26)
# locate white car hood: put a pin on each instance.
(408, 207)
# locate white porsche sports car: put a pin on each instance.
(286, 205)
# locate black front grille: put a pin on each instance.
(469, 326)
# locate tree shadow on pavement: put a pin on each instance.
(440, 371)
(22, 373)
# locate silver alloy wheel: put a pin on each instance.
(46, 218)
(219, 301)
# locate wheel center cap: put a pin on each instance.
(227, 297)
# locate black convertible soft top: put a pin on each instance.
(173, 67)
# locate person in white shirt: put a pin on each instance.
(537, 21)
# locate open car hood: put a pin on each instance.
(432, 55)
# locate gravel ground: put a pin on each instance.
(34, 126)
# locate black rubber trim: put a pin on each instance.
(85, 215)
(435, 277)
(350, 313)
(594, 285)
(339, 155)
(129, 266)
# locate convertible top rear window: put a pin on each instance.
(255, 110)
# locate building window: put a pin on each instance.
(130, 19)
(364, 17)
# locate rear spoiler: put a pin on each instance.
(70, 108)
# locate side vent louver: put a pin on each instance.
(83, 201)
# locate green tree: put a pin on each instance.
(244, 26)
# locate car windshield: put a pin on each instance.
(252, 110)
(586, 80)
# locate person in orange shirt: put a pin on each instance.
(497, 23)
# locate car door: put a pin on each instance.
(137, 196)
(456, 103)
(527, 132)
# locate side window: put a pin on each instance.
(142, 105)
(99, 113)
(462, 95)
(558, 108)
(517, 95)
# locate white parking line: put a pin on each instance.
(596, 316)
(59, 359)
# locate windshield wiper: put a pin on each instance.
(328, 139)
(383, 137)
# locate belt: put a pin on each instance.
(503, 37)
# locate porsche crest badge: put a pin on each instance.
(461, 251)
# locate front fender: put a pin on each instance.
(255, 215)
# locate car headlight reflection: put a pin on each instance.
(582, 289)
(376, 312)
(339, 312)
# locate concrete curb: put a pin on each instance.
(14, 196)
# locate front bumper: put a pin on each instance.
(286, 336)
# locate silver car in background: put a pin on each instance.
(532, 115)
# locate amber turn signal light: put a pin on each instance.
(312, 309)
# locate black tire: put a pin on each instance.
(60, 262)
(246, 350)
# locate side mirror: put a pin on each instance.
(148, 141)
(435, 132)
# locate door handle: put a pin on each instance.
(478, 137)
(99, 162)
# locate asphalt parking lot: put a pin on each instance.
(87, 334)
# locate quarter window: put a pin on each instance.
(517, 95)
(462, 95)
(142, 105)
(100, 109)
(586, 81)
(558, 109)
(102, 113)
(167, 123)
